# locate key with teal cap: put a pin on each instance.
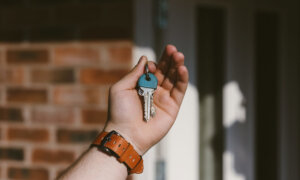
(147, 84)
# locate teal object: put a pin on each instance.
(148, 83)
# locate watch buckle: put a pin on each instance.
(106, 139)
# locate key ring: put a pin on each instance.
(147, 72)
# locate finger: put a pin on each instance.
(152, 66)
(178, 91)
(164, 63)
(129, 81)
(177, 60)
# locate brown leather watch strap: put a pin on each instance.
(116, 145)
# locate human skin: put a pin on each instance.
(125, 115)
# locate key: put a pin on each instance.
(152, 110)
(146, 89)
(147, 84)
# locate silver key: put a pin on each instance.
(147, 93)
(147, 84)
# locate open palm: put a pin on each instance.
(126, 106)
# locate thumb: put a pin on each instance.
(129, 81)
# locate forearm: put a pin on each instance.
(94, 164)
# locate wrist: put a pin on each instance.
(114, 144)
(127, 134)
(111, 162)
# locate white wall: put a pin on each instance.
(240, 71)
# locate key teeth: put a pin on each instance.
(145, 114)
(153, 112)
(145, 117)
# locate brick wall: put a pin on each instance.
(57, 61)
(53, 102)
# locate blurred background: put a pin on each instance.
(239, 120)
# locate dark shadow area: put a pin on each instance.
(65, 20)
(211, 58)
(267, 95)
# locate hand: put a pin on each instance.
(125, 113)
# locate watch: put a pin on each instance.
(114, 144)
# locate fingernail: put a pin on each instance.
(140, 60)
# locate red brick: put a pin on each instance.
(105, 95)
(1, 58)
(120, 53)
(1, 95)
(76, 96)
(76, 136)
(12, 76)
(75, 56)
(53, 76)
(52, 156)
(26, 95)
(28, 173)
(13, 154)
(10, 114)
(53, 115)
(27, 56)
(93, 116)
(27, 134)
(98, 76)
